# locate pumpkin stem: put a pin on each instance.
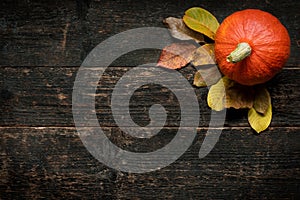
(242, 50)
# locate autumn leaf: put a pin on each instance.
(217, 94)
(202, 21)
(229, 94)
(206, 76)
(204, 55)
(180, 31)
(199, 80)
(239, 96)
(176, 55)
(262, 100)
(260, 122)
(260, 116)
(207, 71)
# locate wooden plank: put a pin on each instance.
(53, 163)
(41, 155)
(39, 96)
(62, 33)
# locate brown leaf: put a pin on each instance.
(229, 94)
(239, 96)
(204, 55)
(179, 30)
(199, 80)
(262, 100)
(176, 55)
(207, 76)
(204, 60)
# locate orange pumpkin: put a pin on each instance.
(251, 46)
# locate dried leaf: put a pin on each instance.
(262, 100)
(239, 96)
(176, 55)
(180, 31)
(260, 122)
(229, 94)
(207, 76)
(216, 95)
(204, 60)
(204, 55)
(198, 80)
(202, 21)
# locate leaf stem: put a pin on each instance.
(242, 50)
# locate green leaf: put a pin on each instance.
(180, 31)
(229, 94)
(202, 21)
(260, 122)
(262, 100)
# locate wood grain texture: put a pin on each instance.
(39, 96)
(53, 163)
(62, 33)
(42, 45)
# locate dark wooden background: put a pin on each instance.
(42, 45)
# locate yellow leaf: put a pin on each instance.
(216, 95)
(262, 100)
(202, 21)
(229, 94)
(260, 122)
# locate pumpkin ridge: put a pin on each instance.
(268, 39)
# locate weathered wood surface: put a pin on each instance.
(62, 33)
(39, 96)
(41, 155)
(52, 163)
